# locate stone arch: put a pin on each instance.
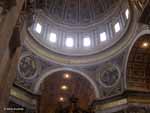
(140, 35)
(83, 74)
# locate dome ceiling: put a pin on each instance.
(78, 12)
(78, 27)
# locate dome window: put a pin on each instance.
(117, 27)
(127, 13)
(86, 42)
(38, 28)
(52, 37)
(103, 37)
(69, 42)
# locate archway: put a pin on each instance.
(55, 88)
(49, 73)
(138, 65)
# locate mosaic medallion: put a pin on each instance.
(28, 67)
(109, 76)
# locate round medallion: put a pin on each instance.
(28, 67)
(109, 76)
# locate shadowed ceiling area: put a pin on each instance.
(77, 12)
(138, 69)
(60, 86)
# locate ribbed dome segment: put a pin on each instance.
(78, 12)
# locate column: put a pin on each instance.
(8, 64)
